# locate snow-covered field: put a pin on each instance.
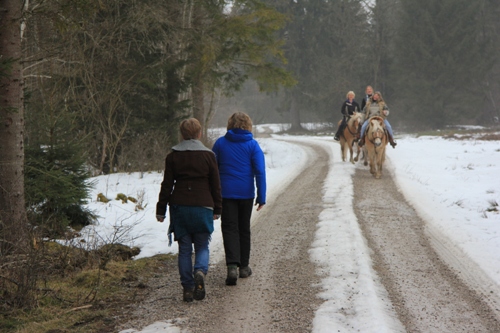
(453, 184)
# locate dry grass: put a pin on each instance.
(91, 300)
(490, 137)
(486, 134)
(474, 136)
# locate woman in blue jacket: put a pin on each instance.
(241, 166)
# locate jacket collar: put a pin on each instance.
(190, 145)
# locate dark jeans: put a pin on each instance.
(343, 124)
(235, 225)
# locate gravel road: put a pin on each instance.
(281, 295)
(426, 294)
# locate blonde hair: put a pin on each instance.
(350, 92)
(239, 120)
(381, 102)
(381, 99)
(190, 129)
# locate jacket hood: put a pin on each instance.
(238, 135)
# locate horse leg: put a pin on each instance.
(342, 150)
(378, 173)
(371, 158)
(357, 151)
(382, 158)
(351, 151)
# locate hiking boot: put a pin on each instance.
(232, 275)
(187, 294)
(245, 272)
(199, 286)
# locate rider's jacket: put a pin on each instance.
(348, 108)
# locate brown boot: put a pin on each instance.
(337, 134)
(361, 142)
(392, 142)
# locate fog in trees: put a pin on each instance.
(435, 62)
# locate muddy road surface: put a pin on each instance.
(281, 295)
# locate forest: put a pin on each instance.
(91, 87)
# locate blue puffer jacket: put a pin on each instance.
(241, 166)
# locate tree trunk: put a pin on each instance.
(199, 101)
(295, 116)
(103, 153)
(13, 220)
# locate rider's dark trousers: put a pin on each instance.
(342, 125)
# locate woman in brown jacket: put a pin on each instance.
(191, 187)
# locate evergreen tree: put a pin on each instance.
(489, 13)
(442, 60)
(56, 168)
(229, 48)
(57, 188)
(379, 52)
(326, 43)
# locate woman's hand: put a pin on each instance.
(259, 206)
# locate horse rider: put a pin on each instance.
(376, 107)
(348, 108)
(368, 95)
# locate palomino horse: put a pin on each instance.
(349, 135)
(375, 142)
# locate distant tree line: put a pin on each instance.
(436, 62)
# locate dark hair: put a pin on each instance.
(190, 129)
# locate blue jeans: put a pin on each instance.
(387, 126)
(186, 271)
